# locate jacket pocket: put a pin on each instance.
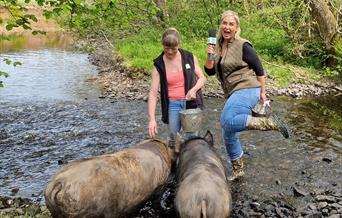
(234, 78)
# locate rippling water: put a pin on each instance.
(50, 114)
(48, 74)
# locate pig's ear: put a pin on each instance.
(179, 139)
(209, 138)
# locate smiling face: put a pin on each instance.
(228, 27)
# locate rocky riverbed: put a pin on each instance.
(120, 81)
(311, 187)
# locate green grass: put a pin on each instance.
(140, 50)
(283, 76)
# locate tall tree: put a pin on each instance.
(327, 25)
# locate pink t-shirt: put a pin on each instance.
(175, 84)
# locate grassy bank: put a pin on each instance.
(140, 49)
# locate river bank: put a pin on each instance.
(120, 81)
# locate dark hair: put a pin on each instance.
(170, 37)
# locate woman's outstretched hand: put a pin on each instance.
(152, 128)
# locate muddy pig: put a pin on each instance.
(202, 186)
(110, 185)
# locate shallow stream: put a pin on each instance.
(51, 114)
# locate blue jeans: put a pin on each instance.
(174, 118)
(234, 118)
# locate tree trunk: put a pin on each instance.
(327, 26)
(325, 19)
(162, 5)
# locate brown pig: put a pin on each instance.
(110, 185)
(202, 186)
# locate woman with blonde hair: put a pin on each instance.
(242, 78)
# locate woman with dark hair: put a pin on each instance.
(242, 78)
(180, 79)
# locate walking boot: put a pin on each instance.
(237, 166)
(268, 123)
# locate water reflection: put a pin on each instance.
(20, 41)
(318, 121)
(49, 74)
(49, 70)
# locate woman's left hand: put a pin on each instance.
(190, 95)
(262, 97)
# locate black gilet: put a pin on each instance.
(189, 80)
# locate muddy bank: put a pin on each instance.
(120, 81)
(17, 207)
(319, 202)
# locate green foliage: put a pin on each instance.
(106, 18)
(281, 31)
(329, 72)
(332, 115)
(283, 76)
(194, 17)
(3, 74)
(269, 42)
(140, 50)
(18, 16)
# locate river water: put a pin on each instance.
(51, 112)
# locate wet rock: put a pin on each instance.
(325, 212)
(299, 191)
(312, 206)
(314, 215)
(327, 198)
(253, 213)
(335, 216)
(19, 211)
(322, 204)
(326, 159)
(335, 206)
(15, 207)
(61, 162)
(14, 190)
(3, 134)
(255, 205)
(320, 138)
(335, 142)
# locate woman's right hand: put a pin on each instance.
(211, 49)
(152, 128)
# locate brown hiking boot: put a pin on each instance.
(268, 123)
(237, 166)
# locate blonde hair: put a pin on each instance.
(170, 37)
(219, 37)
